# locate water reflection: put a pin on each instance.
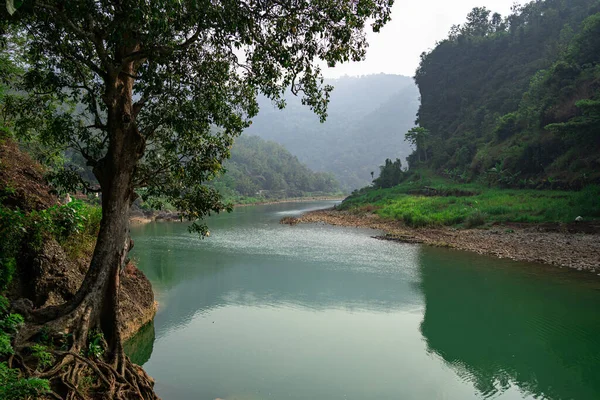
(139, 348)
(252, 260)
(266, 311)
(500, 324)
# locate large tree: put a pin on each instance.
(160, 89)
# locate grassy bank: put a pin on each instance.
(435, 202)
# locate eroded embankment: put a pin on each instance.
(45, 274)
(569, 245)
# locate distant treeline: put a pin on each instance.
(260, 168)
(514, 100)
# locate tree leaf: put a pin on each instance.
(10, 6)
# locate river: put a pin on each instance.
(261, 310)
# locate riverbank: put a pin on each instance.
(573, 245)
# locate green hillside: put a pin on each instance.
(260, 169)
(514, 101)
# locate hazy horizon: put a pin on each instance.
(415, 27)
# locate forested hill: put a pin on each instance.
(367, 119)
(259, 168)
(516, 99)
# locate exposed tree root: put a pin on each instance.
(91, 363)
(75, 376)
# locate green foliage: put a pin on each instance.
(7, 270)
(475, 219)
(44, 357)
(473, 205)
(4, 303)
(181, 93)
(44, 336)
(74, 226)
(5, 344)
(507, 126)
(267, 170)
(11, 323)
(13, 387)
(418, 137)
(95, 344)
(390, 174)
(514, 101)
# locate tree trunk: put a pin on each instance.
(96, 303)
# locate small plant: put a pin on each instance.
(5, 344)
(96, 344)
(44, 357)
(13, 387)
(11, 323)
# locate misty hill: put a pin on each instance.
(515, 100)
(260, 168)
(368, 117)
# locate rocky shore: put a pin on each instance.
(575, 245)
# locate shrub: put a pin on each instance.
(96, 345)
(44, 357)
(477, 218)
(13, 387)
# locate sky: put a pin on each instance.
(415, 27)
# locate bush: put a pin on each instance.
(390, 174)
(44, 357)
(477, 218)
(13, 387)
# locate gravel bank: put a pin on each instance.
(565, 245)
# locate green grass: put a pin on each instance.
(486, 205)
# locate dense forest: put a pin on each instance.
(514, 100)
(367, 118)
(259, 168)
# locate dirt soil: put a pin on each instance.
(22, 179)
(575, 245)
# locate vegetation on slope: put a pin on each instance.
(435, 201)
(510, 114)
(259, 170)
(519, 96)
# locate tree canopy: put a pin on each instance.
(189, 66)
(152, 94)
(514, 96)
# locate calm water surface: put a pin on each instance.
(266, 311)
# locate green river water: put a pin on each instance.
(261, 310)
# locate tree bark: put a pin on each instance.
(96, 303)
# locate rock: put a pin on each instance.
(47, 277)
(579, 219)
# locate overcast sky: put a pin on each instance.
(415, 27)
